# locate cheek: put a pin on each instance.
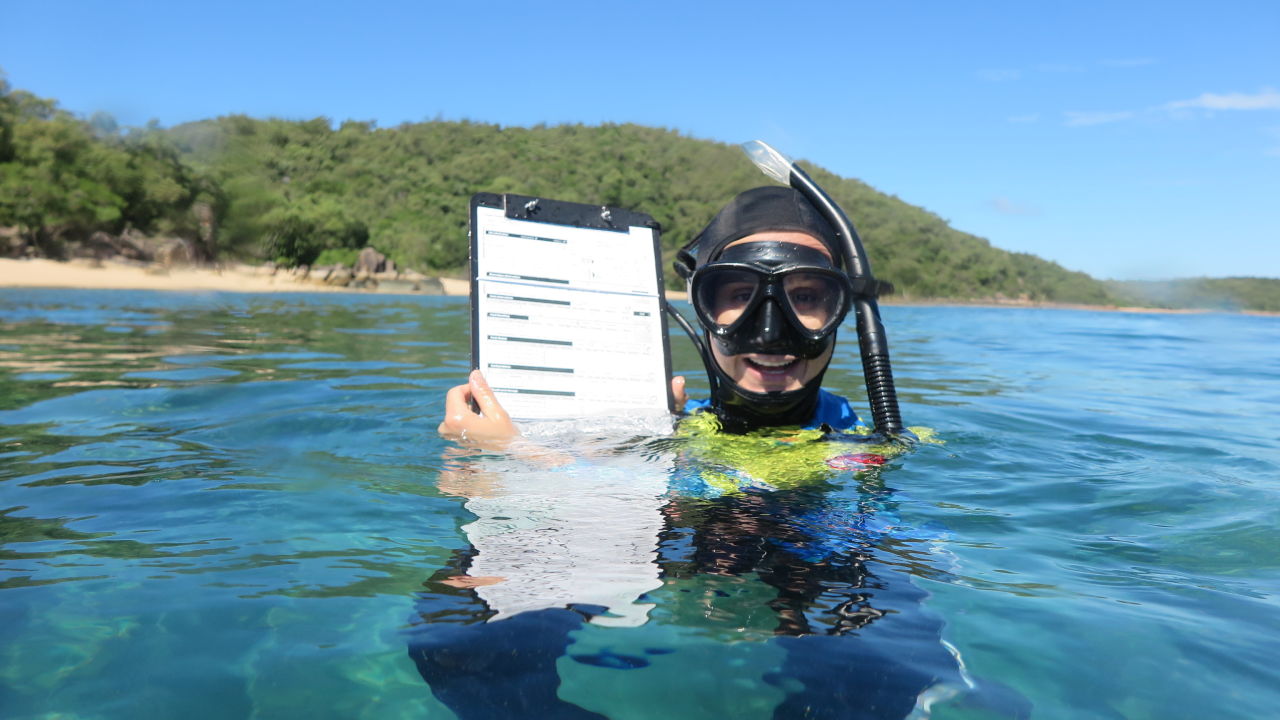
(730, 364)
(818, 364)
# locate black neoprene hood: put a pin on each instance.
(762, 209)
(757, 210)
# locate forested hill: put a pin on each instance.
(409, 187)
(299, 191)
(1230, 294)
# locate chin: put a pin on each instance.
(770, 373)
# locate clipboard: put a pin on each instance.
(567, 313)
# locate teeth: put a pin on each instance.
(772, 363)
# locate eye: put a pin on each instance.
(734, 294)
(804, 296)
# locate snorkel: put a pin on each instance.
(873, 343)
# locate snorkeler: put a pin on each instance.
(770, 279)
(769, 293)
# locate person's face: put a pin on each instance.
(755, 372)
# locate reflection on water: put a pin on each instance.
(234, 505)
(581, 565)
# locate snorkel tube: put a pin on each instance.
(873, 343)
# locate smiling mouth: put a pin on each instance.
(772, 366)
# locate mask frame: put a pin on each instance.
(768, 285)
(768, 323)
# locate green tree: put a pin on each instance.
(298, 232)
(62, 178)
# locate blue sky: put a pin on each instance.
(1124, 139)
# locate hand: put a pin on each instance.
(462, 423)
(677, 391)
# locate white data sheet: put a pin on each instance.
(567, 321)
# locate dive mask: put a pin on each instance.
(771, 298)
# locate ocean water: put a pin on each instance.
(228, 506)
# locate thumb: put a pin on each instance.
(484, 397)
(678, 392)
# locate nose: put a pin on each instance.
(769, 330)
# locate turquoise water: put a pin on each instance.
(236, 506)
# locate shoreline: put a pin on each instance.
(239, 277)
(231, 277)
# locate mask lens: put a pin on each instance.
(815, 298)
(725, 294)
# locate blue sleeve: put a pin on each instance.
(832, 410)
(694, 404)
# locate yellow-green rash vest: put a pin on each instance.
(715, 463)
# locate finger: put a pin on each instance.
(457, 402)
(678, 391)
(457, 411)
(484, 397)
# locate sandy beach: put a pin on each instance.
(109, 275)
(240, 277)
